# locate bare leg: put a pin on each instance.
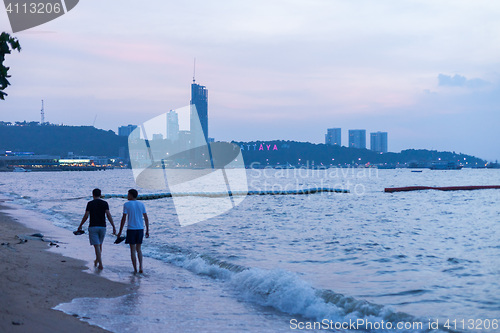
(132, 256)
(98, 259)
(100, 248)
(139, 255)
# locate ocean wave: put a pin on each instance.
(284, 291)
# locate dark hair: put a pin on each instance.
(96, 193)
(133, 193)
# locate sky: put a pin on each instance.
(426, 72)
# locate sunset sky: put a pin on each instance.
(427, 72)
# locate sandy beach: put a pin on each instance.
(34, 280)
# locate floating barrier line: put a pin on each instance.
(225, 194)
(446, 188)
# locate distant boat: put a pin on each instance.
(492, 165)
(419, 165)
(446, 166)
(20, 170)
(416, 170)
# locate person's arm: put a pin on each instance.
(146, 221)
(110, 219)
(122, 224)
(85, 217)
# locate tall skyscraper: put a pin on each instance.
(357, 139)
(333, 136)
(172, 125)
(199, 97)
(378, 142)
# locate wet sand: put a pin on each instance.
(34, 280)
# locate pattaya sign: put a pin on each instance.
(259, 146)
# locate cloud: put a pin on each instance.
(460, 81)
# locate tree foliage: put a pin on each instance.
(7, 44)
(59, 140)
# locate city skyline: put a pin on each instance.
(357, 139)
(282, 72)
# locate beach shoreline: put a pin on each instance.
(34, 280)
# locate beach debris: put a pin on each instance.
(37, 236)
(25, 238)
(7, 245)
(16, 323)
(53, 244)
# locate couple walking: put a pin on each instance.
(134, 213)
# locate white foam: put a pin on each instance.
(284, 291)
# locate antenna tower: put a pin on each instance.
(194, 69)
(42, 113)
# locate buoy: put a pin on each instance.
(445, 188)
(154, 196)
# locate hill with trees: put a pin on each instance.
(60, 140)
(308, 154)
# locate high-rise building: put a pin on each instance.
(199, 97)
(127, 130)
(378, 142)
(184, 142)
(172, 126)
(333, 136)
(357, 139)
(157, 137)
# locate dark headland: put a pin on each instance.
(63, 141)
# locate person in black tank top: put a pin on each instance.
(98, 210)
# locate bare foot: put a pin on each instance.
(140, 271)
(100, 267)
(95, 263)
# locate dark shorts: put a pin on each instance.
(134, 236)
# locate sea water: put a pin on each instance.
(274, 262)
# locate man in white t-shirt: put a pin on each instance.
(135, 211)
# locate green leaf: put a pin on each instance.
(5, 41)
